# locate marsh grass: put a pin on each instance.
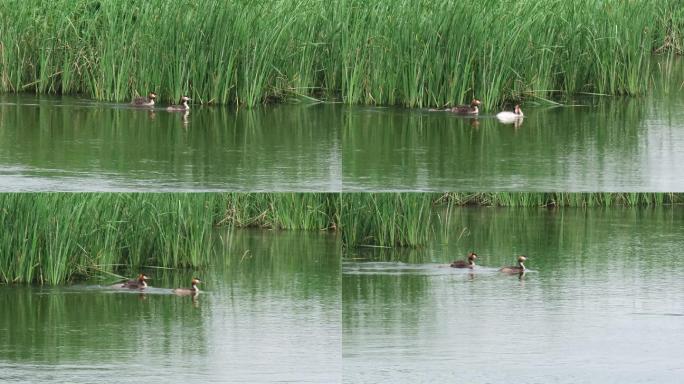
(386, 219)
(52, 238)
(406, 52)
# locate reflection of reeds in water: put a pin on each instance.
(570, 249)
(439, 146)
(439, 51)
(254, 260)
(218, 144)
(562, 199)
(61, 326)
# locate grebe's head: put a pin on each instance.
(195, 281)
(143, 277)
(517, 109)
(522, 259)
(184, 99)
(152, 95)
(475, 103)
(472, 256)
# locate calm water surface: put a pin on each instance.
(600, 144)
(597, 144)
(602, 304)
(71, 144)
(269, 312)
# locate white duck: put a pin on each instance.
(510, 117)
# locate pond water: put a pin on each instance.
(602, 302)
(71, 144)
(596, 144)
(269, 311)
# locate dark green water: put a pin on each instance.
(70, 144)
(606, 144)
(269, 315)
(602, 304)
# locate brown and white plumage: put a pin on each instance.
(469, 263)
(193, 290)
(520, 268)
(139, 283)
(183, 106)
(471, 109)
(145, 101)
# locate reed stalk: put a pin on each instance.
(397, 52)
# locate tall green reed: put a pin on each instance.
(386, 219)
(52, 238)
(406, 52)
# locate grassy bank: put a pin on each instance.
(412, 53)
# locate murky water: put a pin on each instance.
(602, 303)
(71, 144)
(269, 311)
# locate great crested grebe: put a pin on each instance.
(139, 283)
(188, 291)
(520, 268)
(145, 101)
(470, 263)
(507, 116)
(471, 109)
(183, 106)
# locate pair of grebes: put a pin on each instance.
(152, 97)
(470, 263)
(140, 283)
(474, 109)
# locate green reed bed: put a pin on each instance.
(405, 219)
(53, 238)
(405, 52)
(386, 219)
